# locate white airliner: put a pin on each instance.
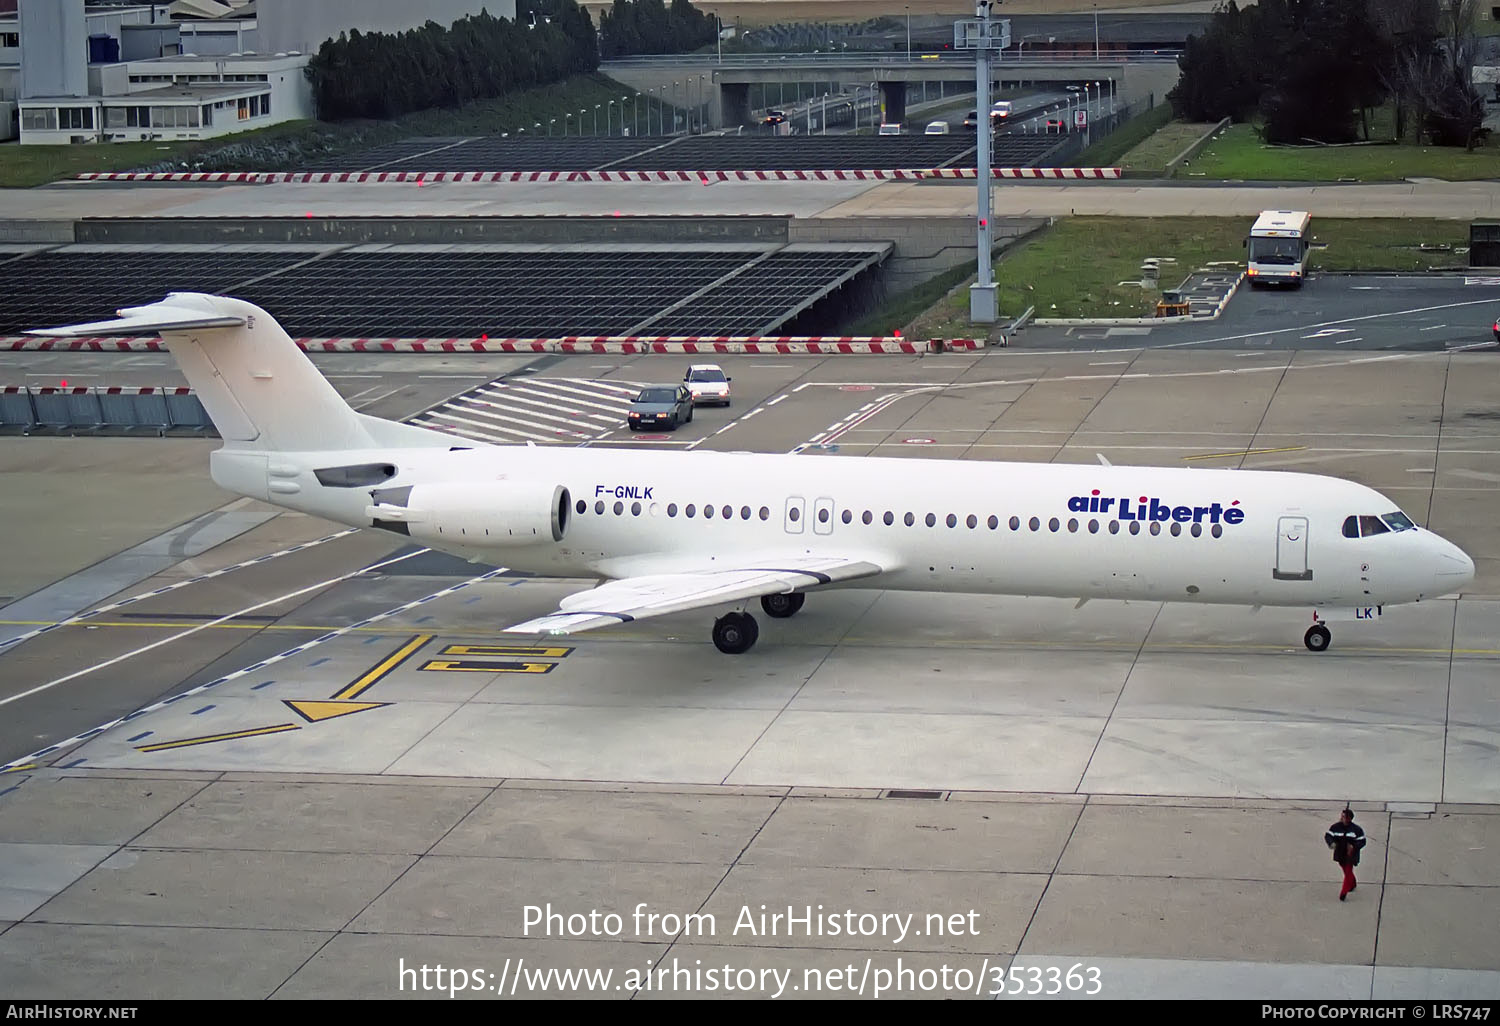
(673, 531)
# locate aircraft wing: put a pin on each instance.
(635, 598)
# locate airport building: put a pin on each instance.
(76, 72)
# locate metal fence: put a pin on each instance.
(103, 409)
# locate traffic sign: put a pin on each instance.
(1080, 118)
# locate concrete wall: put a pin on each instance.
(286, 25)
(54, 48)
(435, 230)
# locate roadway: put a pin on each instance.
(844, 199)
(371, 781)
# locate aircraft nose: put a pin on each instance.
(1454, 567)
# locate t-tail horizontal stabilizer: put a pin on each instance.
(151, 319)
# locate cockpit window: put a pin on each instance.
(1365, 526)
(1399, 522)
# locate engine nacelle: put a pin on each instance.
(477, 514)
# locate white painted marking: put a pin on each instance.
(176, 585)
(202, 627)
(624, 396)
(338, 633)
(1111, 363)
(476, 425)
(533, 408)
(1326, 332)
(778, 399)
(377, 398)
(1345, 320)
(1434, 327)
(542, 394)
(626, 388)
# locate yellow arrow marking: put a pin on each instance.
(211, 738)
(459, 665)
(499, 651)
(315, 712)
(1243, 452)
(382, 668)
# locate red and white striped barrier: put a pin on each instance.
(434, 177)
(670, 344)
(95, 390)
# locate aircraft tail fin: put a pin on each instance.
(260, 390)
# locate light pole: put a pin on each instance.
(719, 32)
(982, 35)
(1096, 32)
(566, 118)
(908, 33)
(550, 123)
(582, 111)
(596, 118)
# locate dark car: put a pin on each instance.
(971, 119)
(661, 406)
(1496, 329)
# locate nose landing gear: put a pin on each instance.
(1317, 637)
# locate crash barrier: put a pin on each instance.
(104, 407)
(606, 344)
(441, 177)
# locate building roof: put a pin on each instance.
(165, 94)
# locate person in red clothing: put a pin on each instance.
(1346, 838)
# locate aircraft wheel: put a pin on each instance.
(734, 633)
(1317, 637)
(782, 606)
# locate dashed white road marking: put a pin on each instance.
(201, 627)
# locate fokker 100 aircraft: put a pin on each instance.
(673, 531)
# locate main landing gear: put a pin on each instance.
(782, 606)
(1317, 637)
(735, 633)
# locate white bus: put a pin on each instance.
(1278, 246)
